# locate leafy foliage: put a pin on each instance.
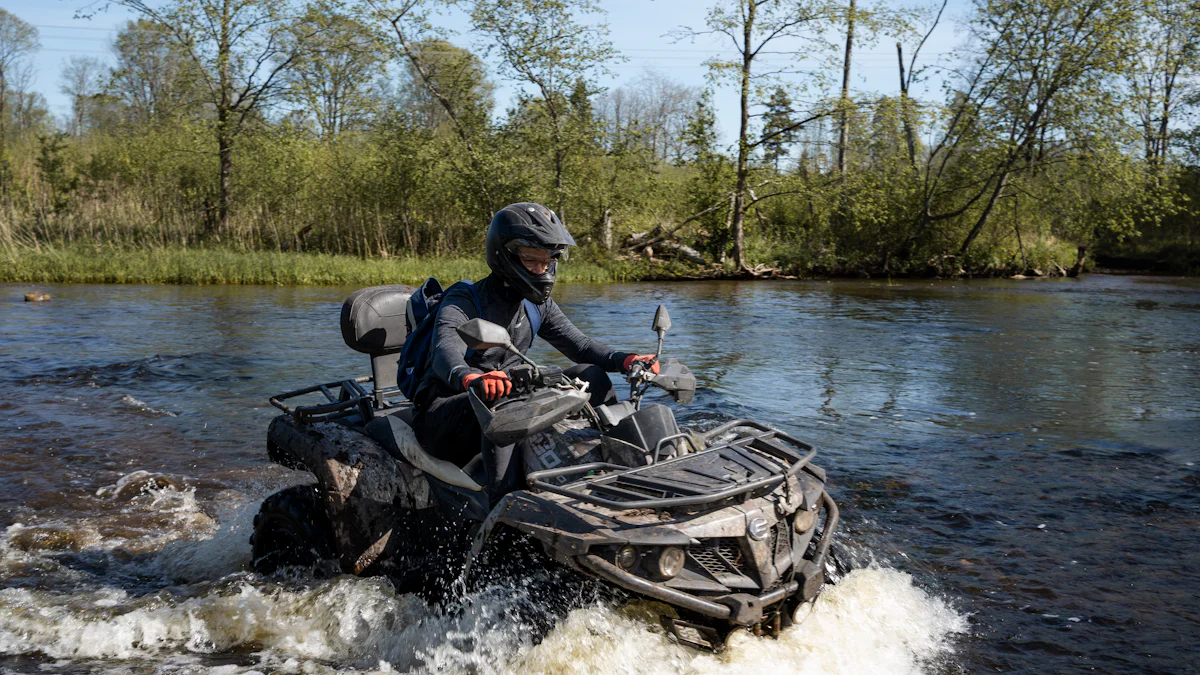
(363, 129)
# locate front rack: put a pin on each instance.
(351, 399)
(762, 441)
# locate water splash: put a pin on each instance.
(142, 406)
(874, 621)
(206, 609)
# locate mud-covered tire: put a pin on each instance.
(291, 529)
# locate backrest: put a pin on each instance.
(372, 322)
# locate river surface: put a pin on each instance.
(1016, 464)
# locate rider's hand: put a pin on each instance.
(639, 357)
(494, 384)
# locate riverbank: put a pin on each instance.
(216, 266)
(196, 266)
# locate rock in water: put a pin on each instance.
(37, 296)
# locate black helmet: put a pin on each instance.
(526, 225)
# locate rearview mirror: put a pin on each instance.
(662, 321)
(480, 335)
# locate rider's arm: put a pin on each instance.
(558, 330)
(448, 348)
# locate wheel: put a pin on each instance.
(291, 530)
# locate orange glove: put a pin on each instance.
(639, 357)
(495, 384)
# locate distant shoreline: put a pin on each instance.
(205, 267)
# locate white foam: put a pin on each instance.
(142, 406)
(873, 621)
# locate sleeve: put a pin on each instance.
(558, 330)
(449, 351)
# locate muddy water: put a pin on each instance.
(1016, 465)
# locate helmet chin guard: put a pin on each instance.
(526, 225)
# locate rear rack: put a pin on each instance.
(624, 485)
(351, 399)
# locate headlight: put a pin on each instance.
(666, 563)
(803, 610)
(627, 557)
(805, 520)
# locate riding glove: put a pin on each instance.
(639, 357)
(494, 384)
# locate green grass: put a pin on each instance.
(221, 266)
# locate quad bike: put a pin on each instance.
(719, 529)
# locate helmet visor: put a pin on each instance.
(532, 252)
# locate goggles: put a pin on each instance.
(543, 255)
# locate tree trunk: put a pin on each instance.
(224, 105)
(844, 119)
(905, 112)
(987, 212)
(606, 230)
(225, 155)
(722, 255)
(1078, 268)
(3, 114)
(739, 192)
(1017, 228)
(558, 182)
(1164, 129)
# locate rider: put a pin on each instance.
(525, 243)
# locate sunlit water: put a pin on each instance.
(1016, 466)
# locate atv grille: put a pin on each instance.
(781, 539)
(719, 556)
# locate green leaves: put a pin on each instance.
(363, 127)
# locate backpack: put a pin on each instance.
(420, 318)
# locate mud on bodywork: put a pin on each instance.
(363, 488)
(742, 557)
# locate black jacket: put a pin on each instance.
(504, 307)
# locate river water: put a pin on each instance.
(1016, 464)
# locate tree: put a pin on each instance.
(18, 41)
(844, 102)
(541, 44)
(241, 49)
(155, 76)
(708, 186)
(1167, 64)
(1038, 90)
(55, 173)
(82, 82)
(750, 26)
(335, 78)
(409, 26)
(778, 118)
(27, 108)
(459, 76)
(910, 76)
(651, 111)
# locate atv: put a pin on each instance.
(719, 529)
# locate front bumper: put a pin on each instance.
(740, 609)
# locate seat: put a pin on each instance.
(398, 438)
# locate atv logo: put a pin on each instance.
(759, 528)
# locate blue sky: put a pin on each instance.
(638, 29)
